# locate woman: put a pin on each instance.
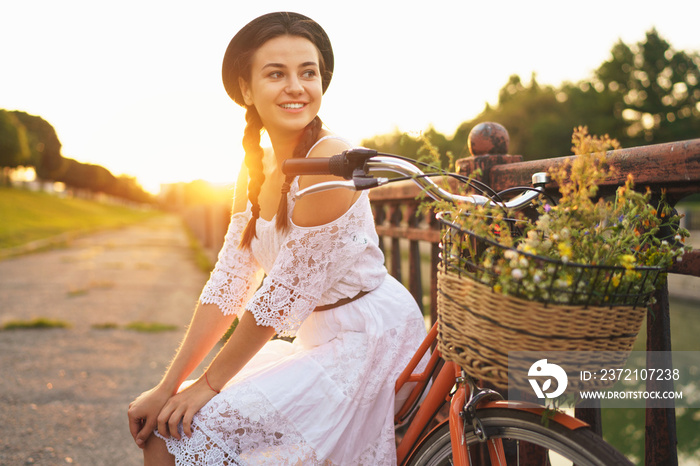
(328, 397)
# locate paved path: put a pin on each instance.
(64, 392)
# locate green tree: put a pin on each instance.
(394, 143)
(14, 148)
(73, 173)
(44, 145)
(127, 187)
(413, 146)
(656, 90)
(535, 117)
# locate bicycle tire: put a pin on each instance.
(581, 446)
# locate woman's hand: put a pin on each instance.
(182, 408)
(143, 413)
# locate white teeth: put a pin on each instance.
(292, 106)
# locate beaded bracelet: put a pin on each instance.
(206, 378)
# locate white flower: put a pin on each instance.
(533, 237)
(517, 274)
(510, 254)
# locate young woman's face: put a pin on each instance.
(285, 84)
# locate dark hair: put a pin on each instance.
(237, 64)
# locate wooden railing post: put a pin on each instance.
(414, 260)
(488, 144)
(395, 217)
(660, 436)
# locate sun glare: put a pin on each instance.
(176, 137)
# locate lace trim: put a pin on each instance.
(325, 253)
(252, 433)
(281, 306)
(236, 275)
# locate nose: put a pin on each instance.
(294, 86)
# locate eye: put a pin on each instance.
(309, 74)
(275, 75)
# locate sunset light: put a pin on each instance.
(136, 86)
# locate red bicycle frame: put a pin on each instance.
(447, 388)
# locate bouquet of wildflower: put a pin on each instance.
(579, 250)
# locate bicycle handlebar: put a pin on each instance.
(335, 165)
(357, 165)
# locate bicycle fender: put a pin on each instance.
(567, 421)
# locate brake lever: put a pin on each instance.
(353, 162)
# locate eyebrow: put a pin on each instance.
(280, 65)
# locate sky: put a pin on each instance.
(135, 85)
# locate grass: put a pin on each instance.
(137, 326)
(93, 285)
(105, 326)
(29, 216)
(46, 323)
(150, 327)
(200, 257)
(37, 323)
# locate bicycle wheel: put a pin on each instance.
(522, 433)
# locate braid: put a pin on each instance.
(254, 162)
(307, 140)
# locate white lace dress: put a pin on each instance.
(328, 397)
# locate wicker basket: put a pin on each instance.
(478, 327)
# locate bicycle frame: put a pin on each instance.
(450, 385)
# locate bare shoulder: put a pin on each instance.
(321, 208)
(330, 146)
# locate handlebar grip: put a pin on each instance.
(313, 166)
(335, 165)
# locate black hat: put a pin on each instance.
(262, 29)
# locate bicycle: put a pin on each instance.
(511, 432)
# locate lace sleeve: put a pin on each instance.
(236, 275)
(310, 261)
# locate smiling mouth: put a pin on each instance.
(293, 106)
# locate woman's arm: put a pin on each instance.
(244, 343)
(207, 326)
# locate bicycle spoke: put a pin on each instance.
(496, 452)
